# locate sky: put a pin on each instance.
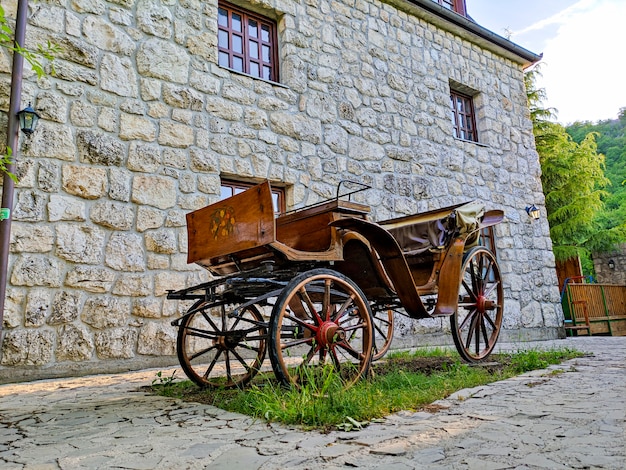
(584, 50)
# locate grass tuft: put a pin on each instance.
(403, 381)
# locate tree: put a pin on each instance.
(573, 181)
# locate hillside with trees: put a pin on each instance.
(583, 171)
(611, 142)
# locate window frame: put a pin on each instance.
(458, 6)
(244, 36)
(461, 131)
(236, 187)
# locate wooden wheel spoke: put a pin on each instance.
(344, 309)
(305, 299)
(469, 317)
(212, 365)
(295, 342)
(302, 323)
(210, 321)
(483, 328)
(471, 331)
(241, 360)
(201, 353)
(470, 291)
(201, 333)
(490, 321)
(350, 350)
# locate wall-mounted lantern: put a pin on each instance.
(28, 120)
(533, 212)
(611, 264)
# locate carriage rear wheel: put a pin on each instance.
(476, 323)
(321, 322)
(383, 332)
(220, 345)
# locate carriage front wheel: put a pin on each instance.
(221, 345)
(321, 322)
(478, 318)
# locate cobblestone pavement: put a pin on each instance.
(542, 420)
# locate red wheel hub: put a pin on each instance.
(330, 333)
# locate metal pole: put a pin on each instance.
(13, 129)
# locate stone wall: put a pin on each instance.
(607, 275)
(139, 124)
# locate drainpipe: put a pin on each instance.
(13, 129)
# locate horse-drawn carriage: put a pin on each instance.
(320, 285)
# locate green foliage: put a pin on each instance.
(324, 404)
(5, 161)
(611, 141)
(36, 58)
(574, 183)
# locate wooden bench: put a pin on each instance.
(579, 322)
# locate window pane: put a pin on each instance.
(254, 69)
(253, 29)
(275, 202)
(266, 53)
(222, 17)
(222, 39)
(223, 60)
(226, 192)
(236, 22)
(265, 33)
(238, 64)
(253, 49)
(237, 44)
(267, 73)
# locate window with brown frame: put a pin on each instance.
(463, 117)
(454, 5)
(230, 188)
(247, 42)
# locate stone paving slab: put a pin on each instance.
(570, 416)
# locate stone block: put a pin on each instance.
(154, 191)
(125, 252)
(84, 181)
(175, 135)
(32, 270)
(90, 278)
(145, 158)
(31, 239)
(117, 75)
(65, 307)
(133, 285)
(157, 339)
(161, 241)
(80, 243)
(37, 307)
(66, 208)
(113, 215)
(99, 149)
(116, 343)
(107, 37)
(74, 344)
(27, 348)
(102, 312)
(157, 58)
(137, 128)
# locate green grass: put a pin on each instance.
(400, 382)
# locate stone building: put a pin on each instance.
(156, 106)
(611, 267)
